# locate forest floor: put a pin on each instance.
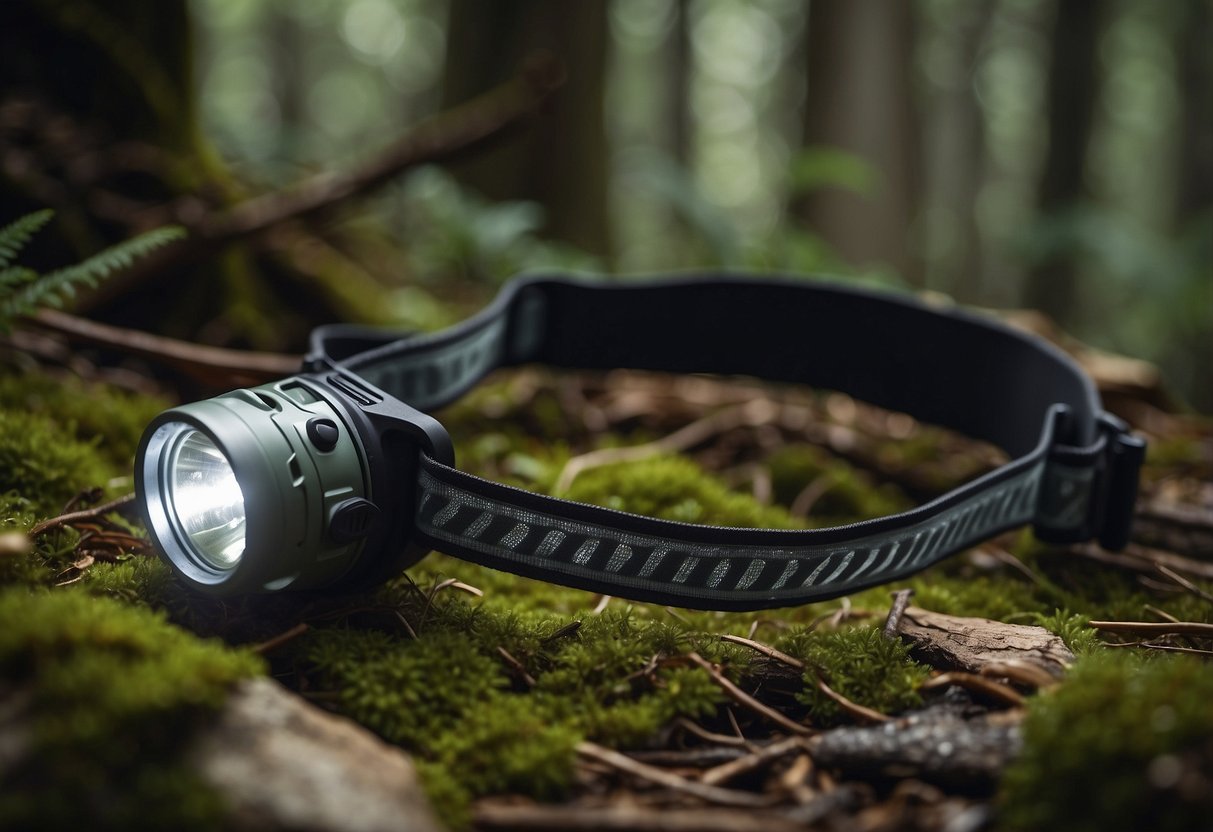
(1016, 686)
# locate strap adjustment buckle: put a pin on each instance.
(1089, 492)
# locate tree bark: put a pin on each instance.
(860, 98)
(562, 163)
(1072, 93)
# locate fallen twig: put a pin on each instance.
(442, 138)
(901, 598)
(213, 366)
(765, 649)
(978, 684)
(661, 777)
(1187, 628)
(73, 517)
(745, 700)
(277, 641)
(763, 756)
(516, 666)
(856, 710)
(710, 736)
(1184, 582)
(570, 817)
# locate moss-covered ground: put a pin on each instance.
(109, 664)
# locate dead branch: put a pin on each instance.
(860, 712)
(1155, 628)
(757, 759)
(74, 517)
(982, 685)
(766, 650)
(661, 777)
(901, 598)
(442, 138)
(270, 645)
(501, 816)
(745, 700)
(213, 366)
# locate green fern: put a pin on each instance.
(23, 290)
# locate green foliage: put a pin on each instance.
(110, 693)
(23, 290)
(859, 663)
(458, 233)
(1125, 744)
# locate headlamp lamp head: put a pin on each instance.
(260, 489)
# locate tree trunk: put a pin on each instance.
(1072, 93)
(561, 163)
(860, 99)
(1195, 58)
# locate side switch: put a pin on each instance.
(352, 519)
(323, 433)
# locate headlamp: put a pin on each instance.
(337, 477)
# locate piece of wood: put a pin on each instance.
(950, 642)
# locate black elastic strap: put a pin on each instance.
(944, 366)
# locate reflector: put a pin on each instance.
(206, 500)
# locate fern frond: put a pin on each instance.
(13, 276)
(16, 234)
(51, 289)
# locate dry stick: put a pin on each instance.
(1172, 648)
(516, 666)
(500, 816)
(1153, 628)
(84, 514)
(1184, 582)
(1146, 560)
(210, 365)
(685, 437)
(977, 684)
(766, 650)
(712, 794)
(281, 639)
(733, 768)
(710, 736)
(901, 598)
(444, 137)
(853, 708)
(745, 700)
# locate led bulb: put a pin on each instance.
(207, 500)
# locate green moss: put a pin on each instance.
(846, 494)
(859, 663)
(44, 461)
(1125, 744)
(675, 488)
(110, 693)
(108, 420)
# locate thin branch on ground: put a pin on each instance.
(979, 685)
(742, 765)
(745, 700)
(1155, 628)
(766, 650)
(901, 599)
(213, 366)
(73, 517)
(279, 640)
(666, 779)
(859, 712)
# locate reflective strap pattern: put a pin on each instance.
(467, 516)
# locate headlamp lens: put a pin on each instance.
(206, 500)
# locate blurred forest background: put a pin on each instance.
(1009, 153)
